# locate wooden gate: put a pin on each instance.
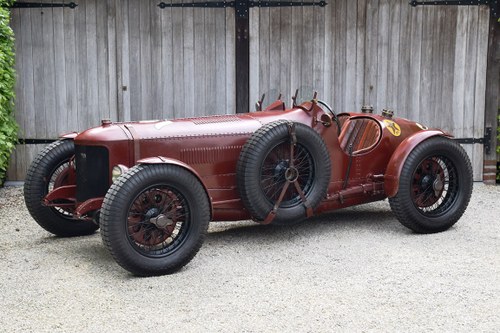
(130, 60)
(426, 63)
(120, 60)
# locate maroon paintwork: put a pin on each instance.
(209, 147)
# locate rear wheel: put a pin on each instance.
(50, 170)
(154, 219)
(435, 186)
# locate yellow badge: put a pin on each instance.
(392, 127)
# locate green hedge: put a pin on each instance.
(8, 125)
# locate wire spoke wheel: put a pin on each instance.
(158, 220)
(435, 186)
(154, 219)
(281, 167)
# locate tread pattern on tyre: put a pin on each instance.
(115, 209)
(252, 155)
(35, 189)
(402, 205)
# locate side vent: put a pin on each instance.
(210, 154)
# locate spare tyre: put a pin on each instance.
(283, 172)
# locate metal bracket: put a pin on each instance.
(242, 6)
(494, 4)
(71, 5)
(486, 140)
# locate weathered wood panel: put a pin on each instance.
(117, 59)
(426, 63)
(130, 60)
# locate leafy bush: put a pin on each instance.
(8, 125)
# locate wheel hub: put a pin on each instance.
(161, 221)
(291, 174)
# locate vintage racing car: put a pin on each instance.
(153, 186)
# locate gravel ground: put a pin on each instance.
(353, 270)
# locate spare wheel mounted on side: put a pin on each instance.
(283, 172)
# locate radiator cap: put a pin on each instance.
(387, 113)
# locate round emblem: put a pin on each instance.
(394, 128)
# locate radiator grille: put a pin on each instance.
(92, 172)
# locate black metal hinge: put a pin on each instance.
(242, 6)
(494, 4)
(35, 141)
(71, 5)
(486, 140)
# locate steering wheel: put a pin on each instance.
(334, 116)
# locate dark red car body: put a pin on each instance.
(367, 159)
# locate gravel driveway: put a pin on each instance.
(353, 270)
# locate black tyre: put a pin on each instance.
(154, 219)
(435, 186)
(49, 170)
(283, 165)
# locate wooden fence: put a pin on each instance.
(129, 60)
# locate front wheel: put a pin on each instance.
(435, 186)
(154, 219)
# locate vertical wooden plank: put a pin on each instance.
(218, 49)
(274, 70)
(156, 62)
(340, 55)
(404, 74)
(329, 49)
(383, 53)
(371, 52)
(361, 33)
(71, 70)
(178, 62)
(458, 102)
(145, 70)
(264, 50)
(448, 37)
(48, 62)
(167, 64)
(350, 59)
(230, 61)
(210, 89)
(436, 66)
(60, 110)
(285, 86)
(204, 38)
(427, 74)
(37, 28)
(480, 90)
(415, 64)
(254, 55)
(296, 51)
(102, 54)
(307, 50)
(188, 48)
(81, 62)
(92, 65)
(318, 57)
(393, 83)
(123, 57)
(112, 60)
(134, 38)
